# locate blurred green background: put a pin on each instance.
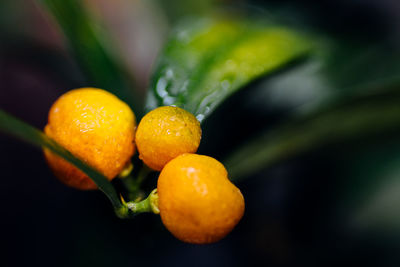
(334, 200)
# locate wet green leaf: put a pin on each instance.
(27, 133)
(206, 60)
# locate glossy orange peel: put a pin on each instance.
(198, 204)
(165, 133)
(95, 126)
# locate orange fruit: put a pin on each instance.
(95, 126)
(197, 202)
(165, 133)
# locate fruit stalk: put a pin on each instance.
(132, 208)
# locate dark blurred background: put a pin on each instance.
(331, 206)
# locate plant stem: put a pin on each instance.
(132, 208)
(132, 184)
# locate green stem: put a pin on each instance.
(133, 184)
(132, 208)
(144, 171)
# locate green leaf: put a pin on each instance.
(90, 47)
(352, 67)
(370, 186)
(356, 118)
(206, 60)
(17, 128)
